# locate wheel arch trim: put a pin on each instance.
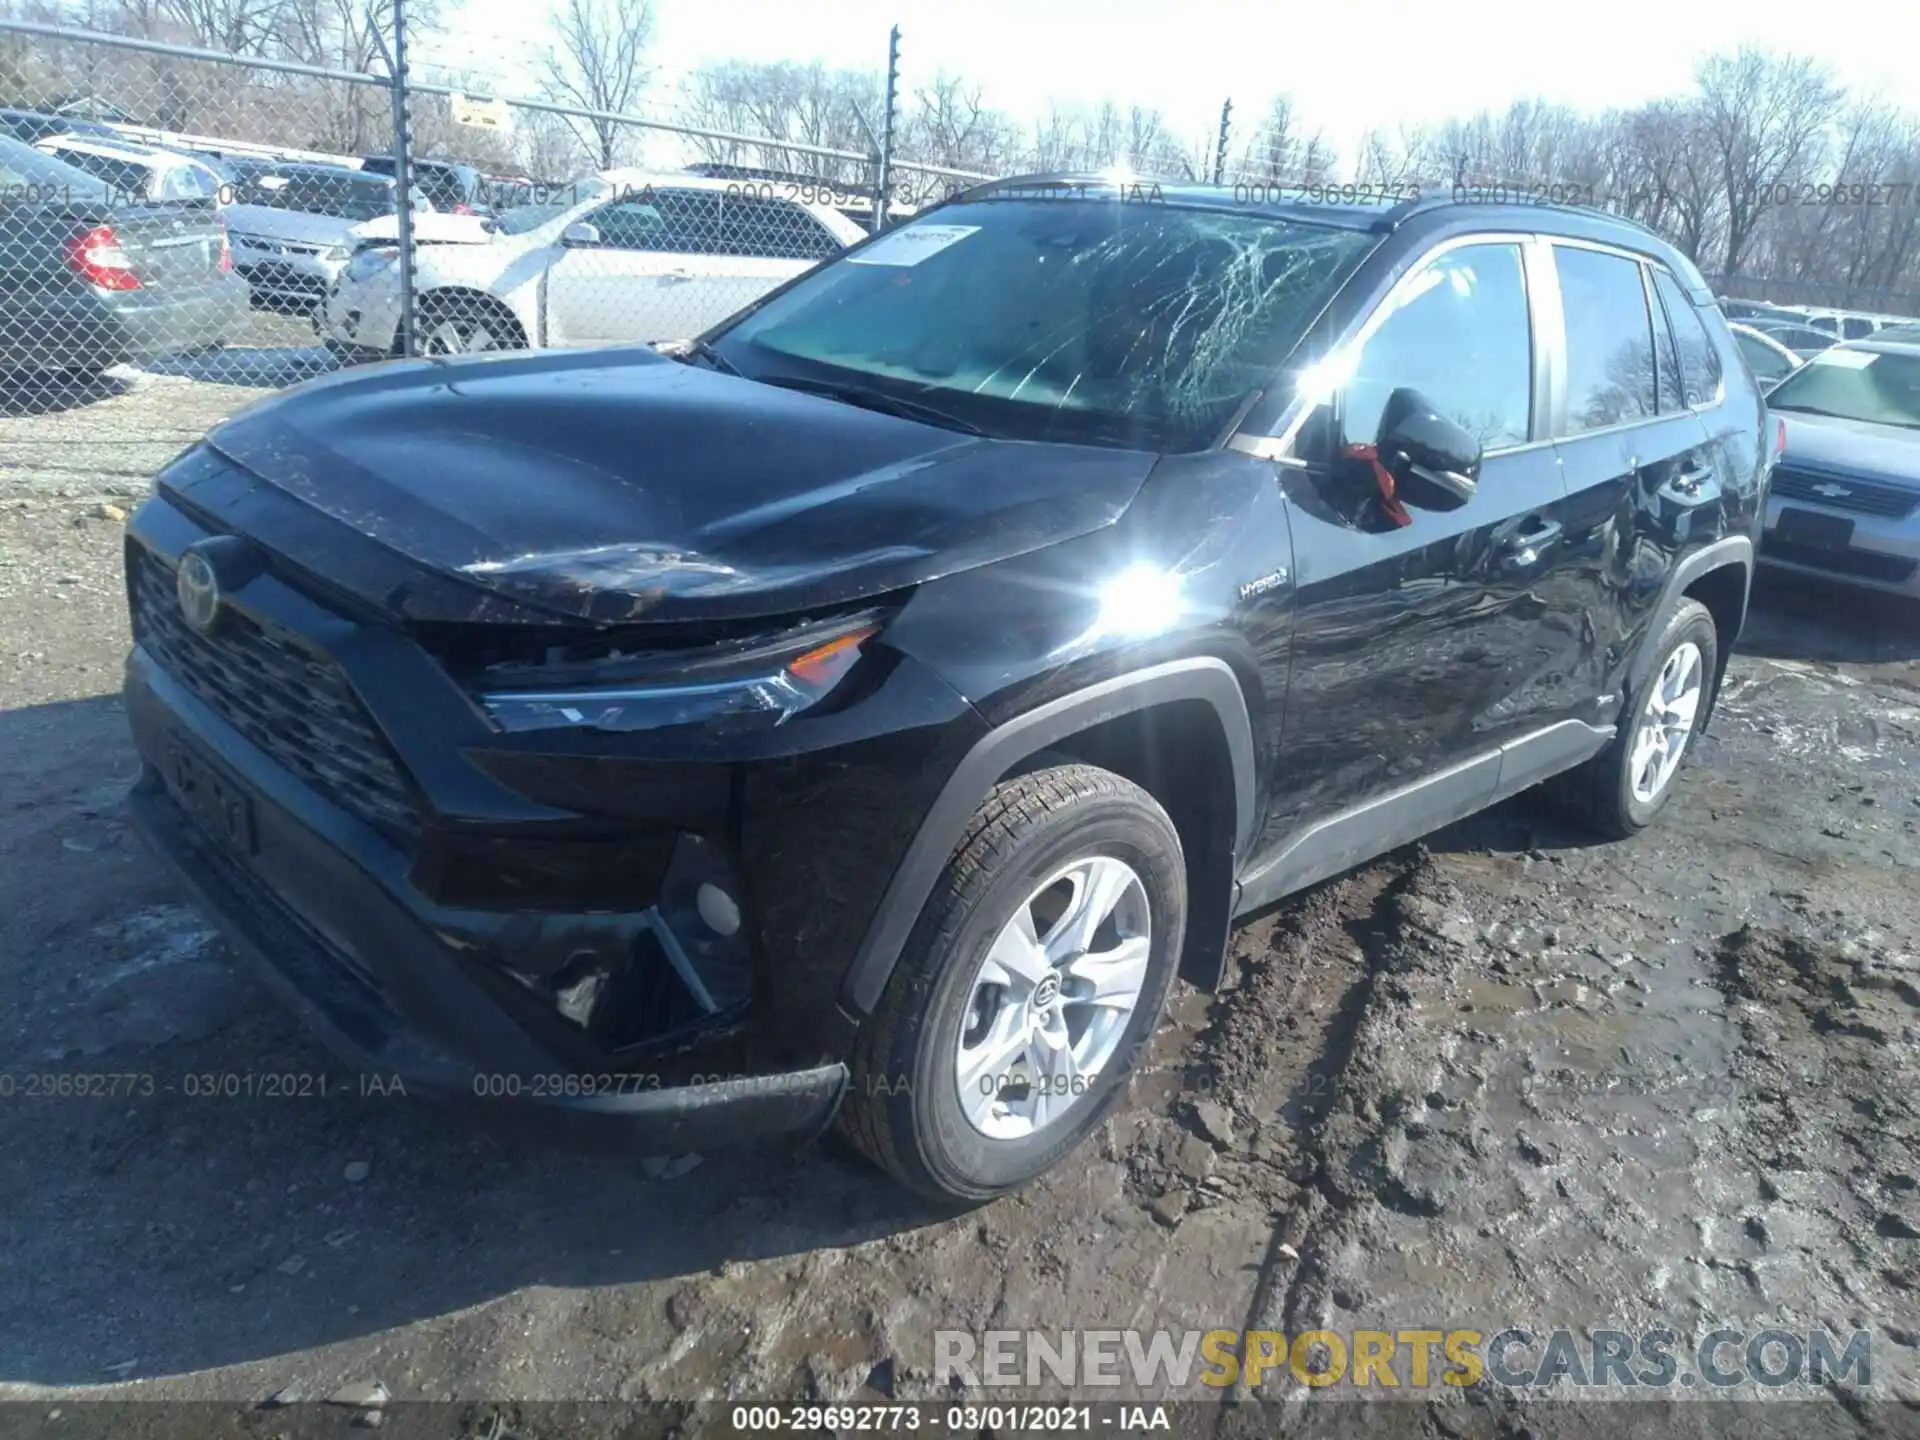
(1207, 679)
(1729, 552)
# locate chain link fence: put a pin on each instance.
(241, 221)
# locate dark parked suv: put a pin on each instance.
(867, 708)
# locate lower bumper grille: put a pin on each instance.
(293, 703)
(1862, 564)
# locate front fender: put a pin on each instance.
(1207, 679)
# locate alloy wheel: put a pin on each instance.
(453, 337)
(1053, 997)
(1667, 725)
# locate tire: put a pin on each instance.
(1609, 791)
(467, 325)
(904, 1107)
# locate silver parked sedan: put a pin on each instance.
(1846, 494)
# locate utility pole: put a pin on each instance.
(403, 176)
(1220, 150)
(889, 116)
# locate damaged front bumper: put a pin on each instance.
(388, 995)
(512, 921)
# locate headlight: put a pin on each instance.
(365, 264)
(765, 683)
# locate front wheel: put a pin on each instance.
(467, 325)
(1038, 968)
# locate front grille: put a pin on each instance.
(1862, 564)
(292, 702)
(274, 247)
(1863, 497)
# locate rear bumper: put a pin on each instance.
(372, 977)
(1884, 553)
(92, 330)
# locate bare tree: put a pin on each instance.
(1764, 117)
(1387, 162)
(1281, 151)
(951, 124)
(791, 105)
(598, 62)
(240, 27)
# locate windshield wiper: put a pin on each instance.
(697, 350)
(876, 400)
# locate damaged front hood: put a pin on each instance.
(620, 485)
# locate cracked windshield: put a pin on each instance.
(1115, 321)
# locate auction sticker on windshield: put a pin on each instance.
(912, 245)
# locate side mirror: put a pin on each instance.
(1434, 461)
(580, 233)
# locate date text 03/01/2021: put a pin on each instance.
(962, 1419)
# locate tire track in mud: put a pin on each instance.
(1329, 1124)
(1829, 1055)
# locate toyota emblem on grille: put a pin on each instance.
(199, 591)
(1832, 492)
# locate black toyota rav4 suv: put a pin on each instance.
(864, 710)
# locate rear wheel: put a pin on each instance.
(467, 324)
(1625, 786)
(1038, 968)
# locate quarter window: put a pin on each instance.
(1610, 362)
(1699, 365)
(1463, 338)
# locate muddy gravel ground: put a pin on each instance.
(1506, 1078)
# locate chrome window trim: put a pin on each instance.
(1562, 434)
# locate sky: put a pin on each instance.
(1348, 66)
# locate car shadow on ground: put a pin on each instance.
(1795, 617)
(49, 392)
(169, 1201)
(263, 367)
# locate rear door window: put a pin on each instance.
(1699, 358)
(1610, 355)
(693, 224)
(127, 180)
(773, 229)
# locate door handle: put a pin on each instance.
(1523, 548)
(676, 277)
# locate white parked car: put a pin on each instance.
(136, 170)
(621, 257)
(293, 228)
(1770, 361)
